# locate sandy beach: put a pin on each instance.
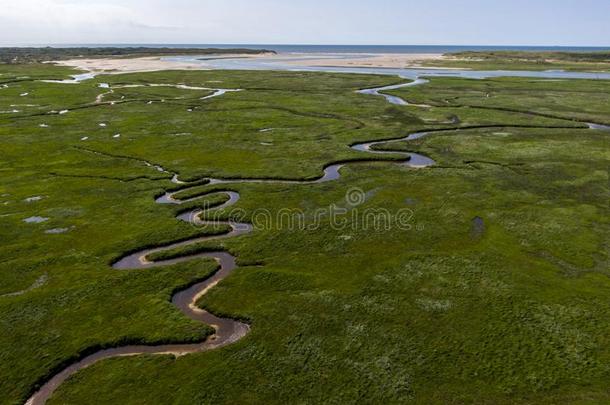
(387, 60)
(126, 65)
(143, 64)
(156, 63)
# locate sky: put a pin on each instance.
(346, 22)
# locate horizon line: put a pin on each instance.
(293, 44)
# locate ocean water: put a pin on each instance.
(362, 48)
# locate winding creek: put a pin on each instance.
(393, 99)
(227, 331)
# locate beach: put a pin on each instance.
(156, 63)
(142, 64)
(126, 65)
(387, 60)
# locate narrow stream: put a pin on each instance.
(393, 99)
(599, 127)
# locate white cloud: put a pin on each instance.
(49, 21)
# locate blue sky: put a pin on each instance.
(427, 22)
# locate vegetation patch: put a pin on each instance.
(37, 55)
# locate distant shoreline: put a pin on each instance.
(376, 49)
(16, 55)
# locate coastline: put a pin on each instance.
(405, 65)
(156, 63)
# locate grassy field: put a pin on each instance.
(575, 100)
(512, 307)
(517, 60)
